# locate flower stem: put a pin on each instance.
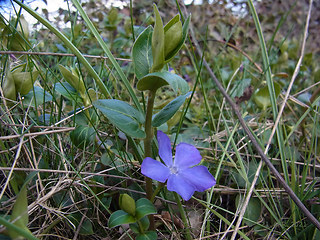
(183, 216)
(148, 147)
(155, 193)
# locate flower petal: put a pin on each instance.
(199, 177)
(186, 156)
(155, 170)
(165, 151)
(179, 185)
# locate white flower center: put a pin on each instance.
(174, 170)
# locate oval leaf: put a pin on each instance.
(169, 110)
(142, 53)
(24, 81)
(262, 97)
(253, 210)
(122, 115)
(37, 95)
(120, 217)
(155, 80)
(149, 235)
(144, 207)
(82, 136)
(68, 91)
(157, 42)
(185, 29)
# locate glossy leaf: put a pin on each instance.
(144, 224)
(142, 53)
(185, 29)
(20, 213)
(120, 217)
(86, 227)
(157, 42)
(68, 91)
(144, 207)
(82, 136)
(19, 216)
(122, 115)
(155, 80)
(172, 35)
(169, 110)
(24, 81)
(8, 87)
(262, 97)
(73, 78)
(149, 235)
(253, 210)
(37, 95)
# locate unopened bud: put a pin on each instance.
(127, 204)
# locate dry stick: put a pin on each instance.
(58, 54)
(234, 107)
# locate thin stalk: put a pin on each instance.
(148, 146)
(183, 216)
(155, 193)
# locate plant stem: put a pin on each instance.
(183, 216)
(148, 146)
(155, 193)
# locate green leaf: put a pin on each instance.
(9, 87)
(262, 97)
(120, 217)
(122, 115)
(82, 136)
(157, 42)
(150, 235)
(20, 212)
(37, 95)
(144, 207)
(253, 210)
(86, 227)
(24, 81)
(185, 29)
(169, 110)
(72, 77)
(155, 80)
(144, 224)
(11, 227)
(172, 35)
(68, 91)
(19, 216)
(142, 53)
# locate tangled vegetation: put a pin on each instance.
(88, 100)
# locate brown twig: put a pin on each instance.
(58, 54)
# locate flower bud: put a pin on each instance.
(172, 35)
(23, 27)
(127, 204)
(9, 89)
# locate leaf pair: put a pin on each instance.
(19, 80)
(132, 212)
(156, 47)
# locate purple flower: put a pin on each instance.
(183, 176)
